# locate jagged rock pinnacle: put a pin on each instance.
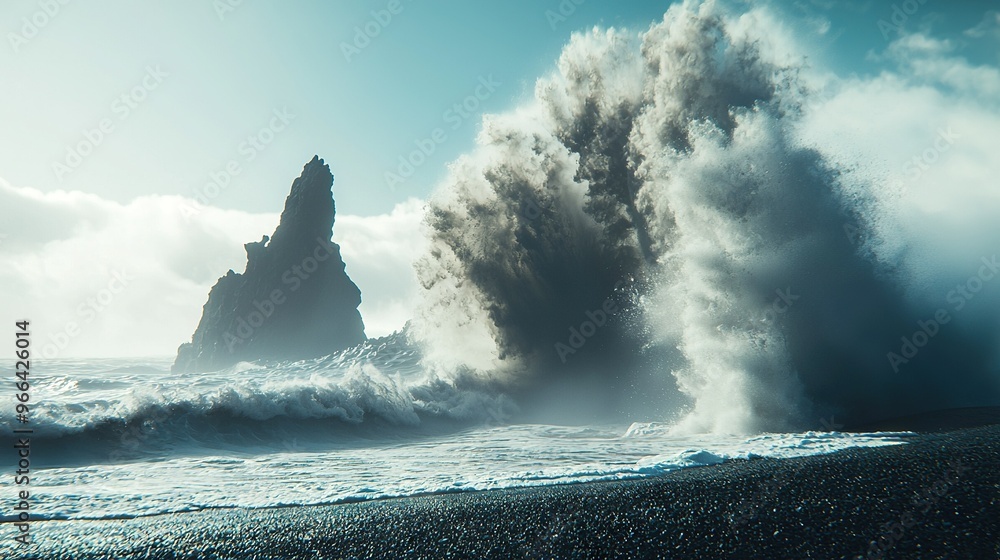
(293, 301)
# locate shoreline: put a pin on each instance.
(937, 495)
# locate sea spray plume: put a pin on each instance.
(592, 103)
(539, 224)
(582, 118)
(516, 232)
(702, 139)
(293, 301)
(373, 391)
(672, 159)
(771, 297)
(756, 224)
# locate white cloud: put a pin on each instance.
(379, 252)
(64, 257)
(921, 137)
(921, 58)
(989, 27)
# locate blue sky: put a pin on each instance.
(224, 70)
(229, 70)
(199, 81)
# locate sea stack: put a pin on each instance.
(295, 299)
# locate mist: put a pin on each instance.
(771, 279)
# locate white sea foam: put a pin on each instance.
(483, 458)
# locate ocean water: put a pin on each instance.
(655, 233)
(123, 438)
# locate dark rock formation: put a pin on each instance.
(294, 300)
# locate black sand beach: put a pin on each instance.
(935, 497)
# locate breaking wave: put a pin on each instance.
(649, 230)
(374, 392)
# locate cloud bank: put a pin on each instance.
(100, 279)
(799, 236)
